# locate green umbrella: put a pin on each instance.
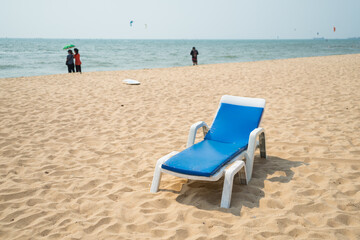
(68, 46)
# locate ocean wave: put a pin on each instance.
(10, 66)
(229, 56)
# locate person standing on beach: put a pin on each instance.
(70, 61)
(194, 53)
(77, 60)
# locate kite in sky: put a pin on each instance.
(131, 22)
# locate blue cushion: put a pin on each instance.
(234, 123)
(204, 158)
(227, 138)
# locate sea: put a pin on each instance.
(33, 57)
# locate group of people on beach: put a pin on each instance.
(70, 61)
(71, 56)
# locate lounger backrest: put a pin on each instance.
(236, 118)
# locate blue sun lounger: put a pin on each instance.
(231, 139)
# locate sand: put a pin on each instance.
(77, 153)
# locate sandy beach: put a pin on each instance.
(78, 151)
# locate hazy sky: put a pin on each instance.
(180, 19)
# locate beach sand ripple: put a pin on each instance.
(77, 153)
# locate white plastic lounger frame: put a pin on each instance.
(236, 165)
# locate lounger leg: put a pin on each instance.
(156, 179)
(242, 175)
(157, 172)
(262, 145)
(228, 183)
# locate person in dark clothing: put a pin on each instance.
(70, 61)
(194, 53)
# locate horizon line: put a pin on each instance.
(191, 39)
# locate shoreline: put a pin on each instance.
(215, 64)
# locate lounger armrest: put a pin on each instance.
(252, 145)
(253, 142)
(193, 130)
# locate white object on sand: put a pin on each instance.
(131, 82)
